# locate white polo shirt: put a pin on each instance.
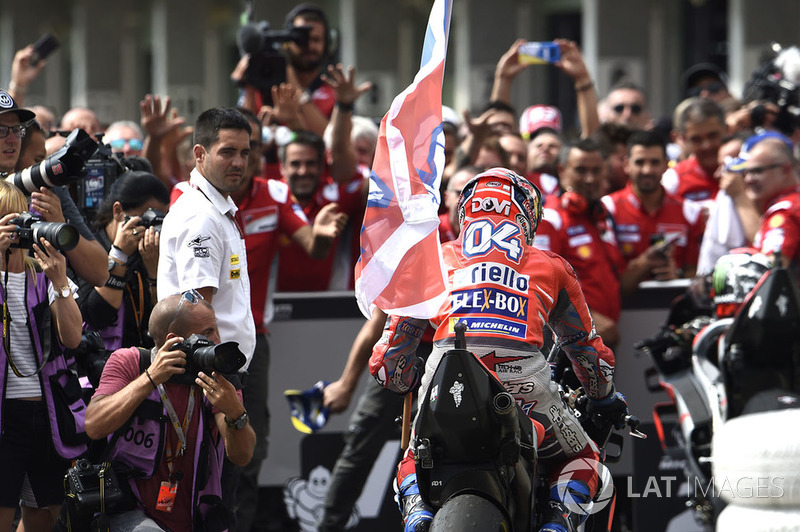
(201, 246)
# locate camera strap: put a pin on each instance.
(7, 327)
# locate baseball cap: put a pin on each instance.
(537, 117)
(695, 73)
(450, 116)
(8, 105)
(739, 164)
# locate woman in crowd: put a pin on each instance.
(39, 312)
(120, 310)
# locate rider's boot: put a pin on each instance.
(560, 519)
(417, 515)
(570, 503)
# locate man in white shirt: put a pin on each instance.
(201, 244)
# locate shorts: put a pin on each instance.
(26, 448)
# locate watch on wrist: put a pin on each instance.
(238, 423)
(113, 264)
(64, 292)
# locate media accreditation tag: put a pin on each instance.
(166, 496)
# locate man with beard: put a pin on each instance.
(302, 167)
(577, 226)
(700, 125)
(659, 234)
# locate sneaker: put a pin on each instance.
(417, 515)
(559, 519)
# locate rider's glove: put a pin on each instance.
(611, 410)
(393, 360)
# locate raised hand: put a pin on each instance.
(329, 222)
(156, 119)
(344, 85)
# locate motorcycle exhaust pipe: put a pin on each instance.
(505, 408)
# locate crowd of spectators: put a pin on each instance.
(270, 196)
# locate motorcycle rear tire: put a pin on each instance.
(469, 512)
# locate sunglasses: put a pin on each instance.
(191, 296)
(119, 144)
(18, 131)
(712, 88)
(757, 171)
(635, 108)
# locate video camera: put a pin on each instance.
(203, 355)
(62, 236)
(99, 173)
(267, 63)
(772, 82)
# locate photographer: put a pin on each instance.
(120, 309)
(39, 311)
(55, 205)
(181, 491)
(304, 67)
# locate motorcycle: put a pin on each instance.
(476, 450)
(719, 373)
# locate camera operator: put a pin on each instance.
(87, 259)
(304, 67)
(39, 310)
(165, 492)
(120, 309)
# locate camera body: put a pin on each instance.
(203, 355)
(99, 173)
(90, 355)
(267, 65)
(150, 218)
(62, 236)
(83, 485)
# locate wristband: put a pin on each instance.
(115, 281)
(347, 107)
(585, 87)
(150, 379)
(117, 254)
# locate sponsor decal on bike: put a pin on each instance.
(456, 390)
(490, 325)
(489, 301)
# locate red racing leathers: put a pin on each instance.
(506, 291)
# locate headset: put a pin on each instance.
(317, 13)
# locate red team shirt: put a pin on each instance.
(590, 247)
(297, 272)
(688, 180)
(780, 226)
(676, 219)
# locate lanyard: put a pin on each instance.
(180, 428)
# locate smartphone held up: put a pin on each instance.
(539, 52)
(42, 48)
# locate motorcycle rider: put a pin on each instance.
(506, 290)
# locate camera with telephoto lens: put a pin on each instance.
(150, 218)
(267, 66)
(61, 168)
(83, 486)
(203, 355)
(62, 236)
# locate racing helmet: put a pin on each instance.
(501, 194)
(735, 276)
